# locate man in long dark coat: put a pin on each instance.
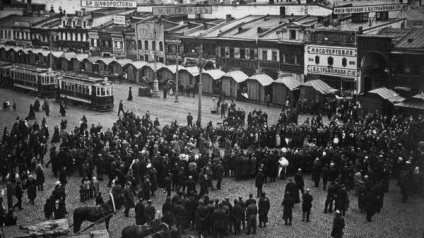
(259, 182)
(140, 218)
(128, 199)
(220, 221)
(338, 226)
(292, 188)
(298, 179)
(288, 205)
(201, 218)
(32, 189)
(306, 205)
(264, 206)
(251, 214)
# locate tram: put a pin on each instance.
(5, 79)
(90, 92)
(39, 81)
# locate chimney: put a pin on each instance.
(259, 30)
(228, 17)
(205, 26)
(410, 40)
(240, 29)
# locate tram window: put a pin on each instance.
(107, 91)
(79, 88)
(98, 92)
(103, 91)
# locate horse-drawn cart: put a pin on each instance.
(52, 228)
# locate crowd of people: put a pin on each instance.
(352, 151)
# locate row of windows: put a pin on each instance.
(24, 76)
(104, 91)
(68, 36)
(330, 61)
(243, 53)
(6, 34)
(74, 23)
(146, 45)
(75, 87)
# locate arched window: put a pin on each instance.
(344, 62)
(160, 46)
(317, 59)
(146, 45)
(330, 60)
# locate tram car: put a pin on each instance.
(91, 92)
(5, 79)
(39, 81)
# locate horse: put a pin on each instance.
(155, 229)
(94, 214)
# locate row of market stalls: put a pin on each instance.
(385, 101)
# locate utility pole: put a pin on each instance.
(176, 73)
(200, 65)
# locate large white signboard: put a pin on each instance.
(331, 60)
(109, 3)
(371, 8)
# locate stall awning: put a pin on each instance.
(262, 79)
(138, 64)
(415, 104)
(123, 62)
(215, 73)
(156, 65)
(320, 86)
(80, 57)
(290, 82)
(68, 55)
(237, 75)
(387, 94)
(93, 59)
(419, 96)
(107, 61)
(194, 70)
(57, 54)
(173, 68)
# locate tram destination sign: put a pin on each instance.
(108, 4)
(182, 10)
(371, 8)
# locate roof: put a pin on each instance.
(396, 34)
(122, 62)
(173, 68)
(80, 57)
(215, 73)
(68, 55)
(320, 86)
(388, 94)
(57, 54)
(93, 59)
(11, 19)
(411, 14)
(419, 96)
(107, 61)
(363, 3)
(237, 75)
(138, 64)
(156, 65)
(290, 82)
(262, 79)
(414, 40)
(194, 70)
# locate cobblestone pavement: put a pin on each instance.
(396, 219)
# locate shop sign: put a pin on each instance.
(181, 10)
(231, 63)
(110, 3)
(120, 20)
(333, 71)
(331, 51)
(371, 8)
(149, 31)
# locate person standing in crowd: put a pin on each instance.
(220, 221)
(259, 182)
(264, 206)
(130, 97)
(338, 225)
(46, 107)
(149, 211)
(121, 108)
(331, 192)
(268, 99)
(62, 109)
(31, 189)
(128, 198)
(18, 194)
(219, 174)
(298, 179)
(189, 120)
(306, 205)
(40, 177)
(48, 209)
(140, 217)
(288, 205)
(251, 215)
